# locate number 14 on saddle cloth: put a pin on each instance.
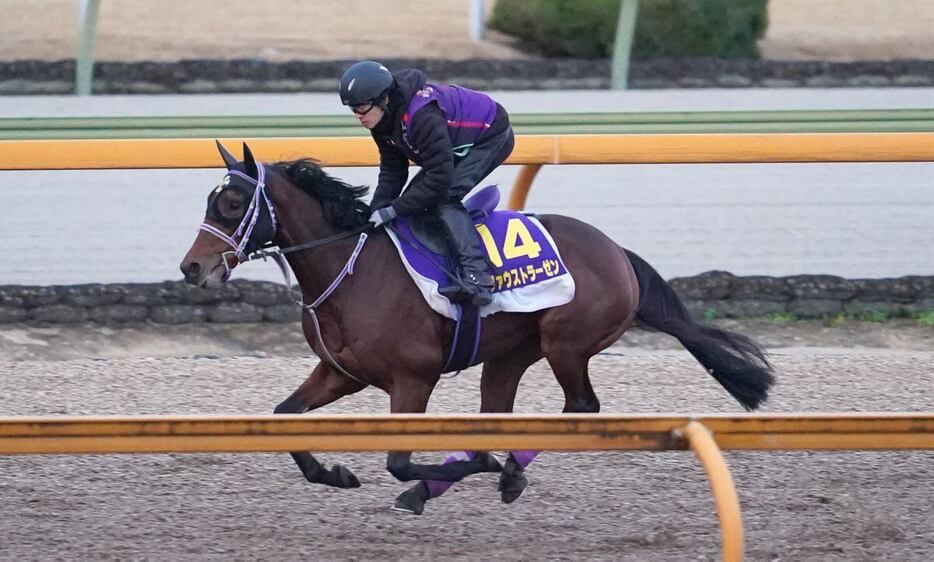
(527, 267)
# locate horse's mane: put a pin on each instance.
(343, 209)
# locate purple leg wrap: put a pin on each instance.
(437, 487)
(524, 458)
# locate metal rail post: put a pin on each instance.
(87, 25)
(622, 46)
(721, 483)
(520, 189)
(476, 20)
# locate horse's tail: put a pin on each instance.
(737, 362)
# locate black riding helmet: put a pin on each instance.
(365, 82)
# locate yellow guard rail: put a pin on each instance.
(531, 150)
(706, 435)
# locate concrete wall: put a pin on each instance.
(712, 294)
(241, 76)
(724, 295)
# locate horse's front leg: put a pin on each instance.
(410, 396)
(322, 387)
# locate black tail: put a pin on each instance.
(737, 362)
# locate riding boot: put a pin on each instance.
(476, 281)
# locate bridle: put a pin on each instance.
(245, 230)
(267, 250)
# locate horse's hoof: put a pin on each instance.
(412, 500)
(512, 485)
(492, 464)
(341, 477)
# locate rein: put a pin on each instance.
(276, 254)
(245, 230)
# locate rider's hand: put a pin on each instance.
(382, 216)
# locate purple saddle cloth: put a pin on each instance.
(526, 263)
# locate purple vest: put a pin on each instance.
(469, 113)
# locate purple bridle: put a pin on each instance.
(245, 230)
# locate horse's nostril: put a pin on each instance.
(191, 271)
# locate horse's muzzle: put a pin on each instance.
(206, 275)
(192, 272)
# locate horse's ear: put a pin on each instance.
(249, 162)
(229, 160)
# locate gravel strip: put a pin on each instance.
(620, 506)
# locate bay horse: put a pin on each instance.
(370, 325)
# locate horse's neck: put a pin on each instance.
(315, 269)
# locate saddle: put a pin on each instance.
(527, 268)
(428, 231)
(526, 265)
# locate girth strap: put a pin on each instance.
(466, 341)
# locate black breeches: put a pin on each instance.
(480, 162)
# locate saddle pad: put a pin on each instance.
(528, 269)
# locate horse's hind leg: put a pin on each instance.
(322, 387)
(512, 480)
(498, 386)
(570, 369)
(579, 397)
(410, 395)
(498, 390)
(413, 500)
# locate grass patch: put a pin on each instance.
(782, 318)
(925, 318)
(871, 316)
(834, 321)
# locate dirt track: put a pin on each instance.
(21, 342)
(281, 30)
(621, 506)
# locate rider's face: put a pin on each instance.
(369, 115)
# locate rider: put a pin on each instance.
(457, 136)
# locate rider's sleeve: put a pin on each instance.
(432, 142)
(393, 171)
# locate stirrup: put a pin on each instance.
(484, 280)
(456, 293)
(461, 293)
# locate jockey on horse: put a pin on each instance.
(457, 136)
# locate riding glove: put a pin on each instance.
(382, 216)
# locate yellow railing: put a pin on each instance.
(531, 150)
(558, 432)
(705, 435)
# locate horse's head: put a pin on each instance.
(240, 218)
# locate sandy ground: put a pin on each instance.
(602, 506)
(849, 30)
(68, 342)
(595, 506)
(338, 29)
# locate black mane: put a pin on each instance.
(343, 209)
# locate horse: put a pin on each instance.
(365, 319)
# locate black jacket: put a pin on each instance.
(429, 146)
